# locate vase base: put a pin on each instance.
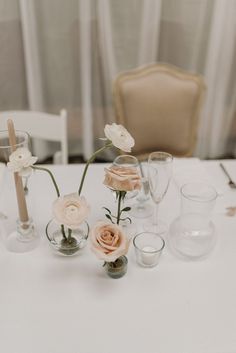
(191, 243)
(118, 268)
(68, 247)
(24, 240)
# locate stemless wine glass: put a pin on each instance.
(159, 175)
(23, 237)
(142, 209)
(127, 161)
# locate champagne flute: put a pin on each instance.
(159, 175)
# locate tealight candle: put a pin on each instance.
(149, 255)
(148, 248)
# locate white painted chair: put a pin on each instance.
(42, 126)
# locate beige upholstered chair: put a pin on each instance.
(159, 104)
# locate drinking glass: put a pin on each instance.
(23, 237)
(192, 235)
(159, 175)
(127, 161)
(142, 209)
(148, 248)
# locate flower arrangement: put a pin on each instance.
(108, 240)
(70, 211)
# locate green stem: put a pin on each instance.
(69, 234)
(91, 159)
(57, 191)
(52, 177)
(63, 231)
(119, 207)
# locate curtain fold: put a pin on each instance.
(65, 54)
(215, 122)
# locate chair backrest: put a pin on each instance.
(159, 104)
(40, 125)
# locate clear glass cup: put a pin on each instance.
(127, 161)
(159, 176)
(142, 209)
(148, 248)
(24, 236)
(192, 235)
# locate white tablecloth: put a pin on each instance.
(53, 304)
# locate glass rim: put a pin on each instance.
(153, 251)
(189, 197)
(126, 155)
(17, 144)
(51, 221)
(163, 153)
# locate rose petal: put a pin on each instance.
(108, 250)
(122, 179)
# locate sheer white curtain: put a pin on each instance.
(58, 53)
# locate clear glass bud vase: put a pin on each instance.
(118, 268)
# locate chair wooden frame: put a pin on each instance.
(171, 71)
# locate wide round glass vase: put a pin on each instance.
(66, 241)
(192, 235)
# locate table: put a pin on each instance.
(53, 304)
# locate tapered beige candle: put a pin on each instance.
(20, 194)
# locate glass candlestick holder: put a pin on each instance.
(24, 238)
(19, 235)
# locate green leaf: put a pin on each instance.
(107, 209)
(129, 219)
(126, 209)
(109, 217)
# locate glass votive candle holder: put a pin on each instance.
(148, 248)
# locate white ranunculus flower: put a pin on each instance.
(70, 210)
(119, 137)
(21, 161)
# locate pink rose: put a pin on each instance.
(122, 178)
(108, 241)
(70, 210)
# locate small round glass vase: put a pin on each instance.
(118, 268)
(70, 243)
